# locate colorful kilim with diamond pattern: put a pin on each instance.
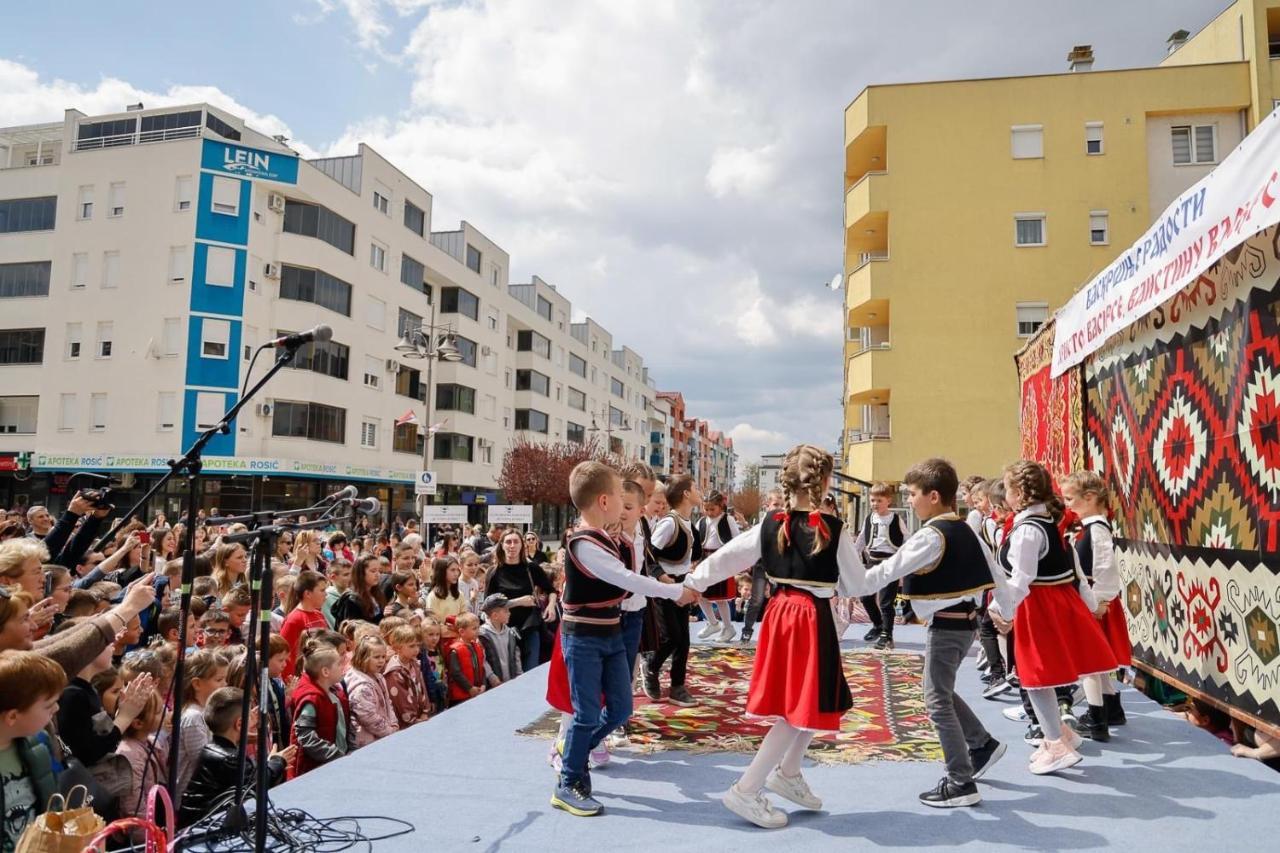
(1052, 409)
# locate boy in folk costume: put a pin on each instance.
(672, 544)
(595, 583)
(797, 680)
(716, 528)
(881, 536)
(759, 582)
(946, 572)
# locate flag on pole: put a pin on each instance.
(435, 428)
(409, 417)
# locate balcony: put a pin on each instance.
(868, 287)
(30, 145)
(873, 424)
(867, 197)
(866, 338)
(869, 376)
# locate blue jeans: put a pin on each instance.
(596, 665)
(531, 648)
(632, 628)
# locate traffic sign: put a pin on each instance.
(511, 514)
(424, 482)
(445, 514)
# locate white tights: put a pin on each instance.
(709, 610)
(784, 746)
(1044, 701)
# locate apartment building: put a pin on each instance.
(975, 208)
(145, 256)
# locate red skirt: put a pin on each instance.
(1056, 640)
(558, 695)
(726, 590)
(797, 675)
(1116, 630)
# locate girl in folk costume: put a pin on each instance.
(1087, 495)
(1056, 638)
(796, 680)
(715, 529)
(672, 543)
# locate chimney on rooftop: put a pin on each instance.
(133, 108)
(1177, 40)
(1080, 58)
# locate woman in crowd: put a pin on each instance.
(529, 592)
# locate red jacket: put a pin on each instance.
(326, 720)
(468, 658)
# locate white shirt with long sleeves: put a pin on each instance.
(744, 550)
(1027, 547)
(921, 552)
(664, 533)
(636, 602)
(1106, 574)
(881, 539)
(974, 520)
(608, 568)
(711, 537)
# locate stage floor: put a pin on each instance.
(467, 781)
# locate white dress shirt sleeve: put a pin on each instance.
(1087, 595)
(664, 532)
(1025, 545)
(605, 566)
(853, 574)
(1002, 594)
(974, 520)
(923, 549)
(1106, 574)
(739, 555)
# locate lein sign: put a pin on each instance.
(249, 162)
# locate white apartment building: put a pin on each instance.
(145, 255)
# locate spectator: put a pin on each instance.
(371, 708)
(147, 757)
(229, 564)
(21, 562)
(307, 552)
(363, 600)
(339, 575)
(205, 673)
(322, 728)
(405, 684)
(464, 659)
(303, 609)
(501, 644)
(88, 729)
(30, 685)
(445, 598)
(478, 541)
(530, 595)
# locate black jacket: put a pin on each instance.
(83, 725)
(215, 777)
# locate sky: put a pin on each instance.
(674, 167)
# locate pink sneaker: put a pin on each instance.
(1071, 738)
(600, 755)
(553, 756)
(1057, 756)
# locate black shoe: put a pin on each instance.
(744, 638)
(1093, 724)
(1068, 716)
(1012, 678)
(651, 687)
(996, 687)
(985, 756)
(871, 635)
(1034, 735)
(1115, 714)
(949, 795)
(884, 644)
(681, 696)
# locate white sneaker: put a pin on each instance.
(1056, 756)
(1016, 713)
(728, 633)
(793, 788)
(708, 629)
(755, 808)
(1071, 738)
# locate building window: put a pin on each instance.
(1027, 141)
(210, 407)
(171, 336)
(618, 389)
(166, 411)
(1028, 229)
(378, 257)
(455, 300)
(320, 288)
(178, 264)
(182, 190)
(528, 340)
(328, 358)
(493, 320)
(381, 203)
(115, 201)
(226, 196)
(1195, 144)
(215, 338)
(414, 274)
(220, 267)
(79, 270)
(28, 214)
(248, 343)
(369, 434)
(1099, 230)
(221, 128)
(1031, 316)
(312, 220)
(84, 205)
(532, 380)
(577, 399)
(544, 308)
(106, 331)
(578, 365)
(309, 420)
(473, 259)
(453, 446)
(405, 438)
(406, 322)
(30, 278)
(486, 453)
(409, 383)
(415, 219)
(74, 333)
(66, 412)
(467, 349)
(1093, 137)
(97, 412)
(375, 313)
(372, 372)
(21, 346)
(18, 415)
(456, 398)
(110, 270)
(576, 433)
(532, 420)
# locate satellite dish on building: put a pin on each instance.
(836, 281)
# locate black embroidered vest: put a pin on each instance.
(795, 565)
(590, 604)
(962, 569)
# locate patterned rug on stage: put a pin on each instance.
(887, 721)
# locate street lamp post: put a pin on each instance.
(607, 417)
(431, 342)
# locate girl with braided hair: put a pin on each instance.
(1056, 639)
(797, 680)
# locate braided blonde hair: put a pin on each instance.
(1089, 482)
(1036, 485)
(805, 470)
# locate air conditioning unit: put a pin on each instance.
(393, 366)
(271, 271)
(275, 202)
(263, 410)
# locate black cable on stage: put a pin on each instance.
(293, 830)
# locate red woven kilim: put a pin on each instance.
(887, 721)
(1052, 410)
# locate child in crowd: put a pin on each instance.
(672, 543)
(1087, 495)
(405, 684)
(84, 725)
(881, 536)
(147, 757)
(465, 661)
(283, 586)
(305, 600)
(470, 582)
(339, 577)
(108, 685)
(431, 662)
(322, 728)
(501, 644)
(205, 672)
(404, 591)
(215, 628)
(236, 605)
(30, 685)
(715, 529)
(371, 709)
(445, 598)
(278, 719)
(215, 773)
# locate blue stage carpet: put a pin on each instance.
(467, 781)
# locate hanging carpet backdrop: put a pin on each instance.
(1182, 414)
(1052, 410)
(887, 722)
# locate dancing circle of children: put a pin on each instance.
(595, 653)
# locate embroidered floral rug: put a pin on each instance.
(887, 721)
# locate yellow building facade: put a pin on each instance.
(975, 208)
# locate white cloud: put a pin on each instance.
(752, 442)
(740, 171)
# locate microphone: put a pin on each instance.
(319, 334)
(349, 493)
(368, 506)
